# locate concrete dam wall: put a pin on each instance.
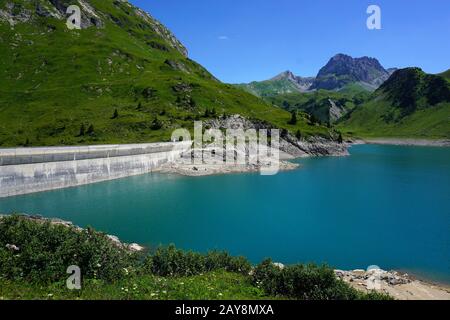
(28, 170)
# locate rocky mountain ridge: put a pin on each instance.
(343, 70)
(340, 72)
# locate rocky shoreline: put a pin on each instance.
(201, 170)
(289, 148)
(398, 285)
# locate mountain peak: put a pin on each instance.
(341, 56)
(343, 69)
(289, 75)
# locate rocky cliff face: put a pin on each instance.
(342, 70)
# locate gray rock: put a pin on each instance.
(12, 247)
(313, 146)
(279, 265)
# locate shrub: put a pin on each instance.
(46, 250)
(156, 124)
(90, 130)
(170, 261)
(216, 260)
(293, 120)
(82, 130)
(306, 282)
(115, 114)
(340, 138)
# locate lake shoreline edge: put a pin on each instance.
(404, 142)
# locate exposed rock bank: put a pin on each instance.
(397, 285)
(289, 148)
(209, 169)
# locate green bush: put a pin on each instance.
(306, 282)
(217, 260)
(170, 261)
(46, 250)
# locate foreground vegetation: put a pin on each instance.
(35, 254)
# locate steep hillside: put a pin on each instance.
(445, 74)
(410, 104)
(122, 78)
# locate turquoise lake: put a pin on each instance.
(384, 205)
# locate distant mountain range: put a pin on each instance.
(339, 73)
(410, 103)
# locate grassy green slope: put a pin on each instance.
(368, 121)
(445, 74)
(411, 104)
(218, 285)
(55, 80)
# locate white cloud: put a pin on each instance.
(223, 38)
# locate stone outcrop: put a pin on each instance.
(363, 277)
(289, 144)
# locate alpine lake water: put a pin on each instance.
(383, 205)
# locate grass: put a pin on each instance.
(219, 285)
(369, 122)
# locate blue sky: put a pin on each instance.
(246, 40)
